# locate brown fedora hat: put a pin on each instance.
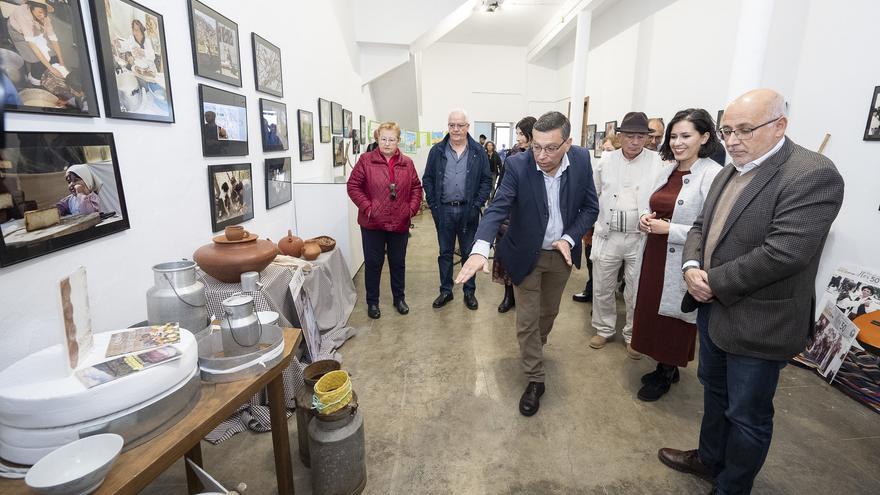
(636, 122)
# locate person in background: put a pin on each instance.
(83, 187)
(660, 329)
(483, 139)
(655, 137)
(375, 143)
(457, 184)
(499, 273)
(385, 187)
(750, 264)
(494, 165)
(34, 38)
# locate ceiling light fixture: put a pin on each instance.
(492, 5)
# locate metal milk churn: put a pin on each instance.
(304, 409)
(240, 329)
(177, 296)
(336, 449)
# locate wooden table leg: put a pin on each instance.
(193, 483)
(280, 438)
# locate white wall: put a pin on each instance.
(164, 174)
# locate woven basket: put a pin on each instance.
(327, 243)
(332, 392)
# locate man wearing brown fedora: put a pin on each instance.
(622, 177)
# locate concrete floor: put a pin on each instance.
(439, 391)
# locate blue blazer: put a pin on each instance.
(478, 181)
(522, 195)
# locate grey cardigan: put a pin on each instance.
(764, 267)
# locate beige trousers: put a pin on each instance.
(537, 304)
(618, 249)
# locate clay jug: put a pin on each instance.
(311, 251)
(291, 245)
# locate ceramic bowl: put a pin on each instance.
(268, 317)
(77, 468)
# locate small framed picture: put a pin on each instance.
(590, 138)
(363, 134)
(872, 128)
(267, 66)
(278, 181)
(273, 125)
(224, 122)
(718, 119)
(610, 128)
(305, 125)
(335, 118)
(216, 52)
(346, 123)
(232, 194)
(324, 119)
(338, 151)
(597, 149)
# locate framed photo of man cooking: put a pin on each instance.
(45, 58)
(132, 55)
(58, 189)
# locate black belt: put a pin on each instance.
(455, 203)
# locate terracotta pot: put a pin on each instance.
(311, 251)
(226, 262)
(291, 245)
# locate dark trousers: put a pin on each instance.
(376, 244)
(738, 411)
(455, 222)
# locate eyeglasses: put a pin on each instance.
(537, 149)
(742, 134)
(388, 140)
(458, 126)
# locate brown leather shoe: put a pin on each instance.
(686, 461)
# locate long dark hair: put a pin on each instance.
(525, 126)
(703, 123)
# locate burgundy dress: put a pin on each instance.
(668, 340)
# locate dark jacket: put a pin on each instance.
(522, 195)
(369, 189)
(478, 183)
(494, 164)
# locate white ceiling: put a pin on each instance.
(515, 23)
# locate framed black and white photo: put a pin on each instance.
(306, 127)
(59, 189)
(610, 128)
(267, 66)
(872, 128)
(336, 118)
(718, 119)
(231, 190)
(346, 123)
(590, 138)
(324, 119)
(278, 182)
(338, 151)
(215, 47)
(224, 122)
(597, 149)
(47, 64)
(363, 134)
(273, 125)
(132, 55)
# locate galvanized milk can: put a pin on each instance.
(177, 296)
(240, 328)
(304, 410)
(336, 449)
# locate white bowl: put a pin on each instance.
(267, 317)
(77, 468)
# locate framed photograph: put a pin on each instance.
(597, 149)
(232, 194)
(363, 134)
(346, 123)
(216, 52)
(610, 128)
(278, 182)
(335, 118)
(305, 124)
(273, 125)
(133, 60)
(718, 119)
(49, 68)
(590, 138)
(58, 189)
(338, 151)
(872, 128)
(224, 122)
(267, 66)
(324, 119)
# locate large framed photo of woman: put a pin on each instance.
(133, 59)
(46, 59)
(216, 51)
(267, 66)
(232, 194)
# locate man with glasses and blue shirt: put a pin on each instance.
(457, 182)
(752, 257)
(550, 198)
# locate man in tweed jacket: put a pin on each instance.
(752, 257)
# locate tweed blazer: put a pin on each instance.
(764, 266)
(688, 205)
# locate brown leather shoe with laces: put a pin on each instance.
(686, 461)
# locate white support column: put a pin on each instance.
(579, 73)
(750, 46)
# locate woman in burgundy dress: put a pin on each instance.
(660, 329)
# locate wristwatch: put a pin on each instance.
(685, 269)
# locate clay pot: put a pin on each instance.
(227, 261)
(311, 251)
(291, 245)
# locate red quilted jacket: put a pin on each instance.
(369, 189)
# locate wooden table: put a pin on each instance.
(136, 468)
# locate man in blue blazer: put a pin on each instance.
(551, 199)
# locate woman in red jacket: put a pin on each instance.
(385, 187)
